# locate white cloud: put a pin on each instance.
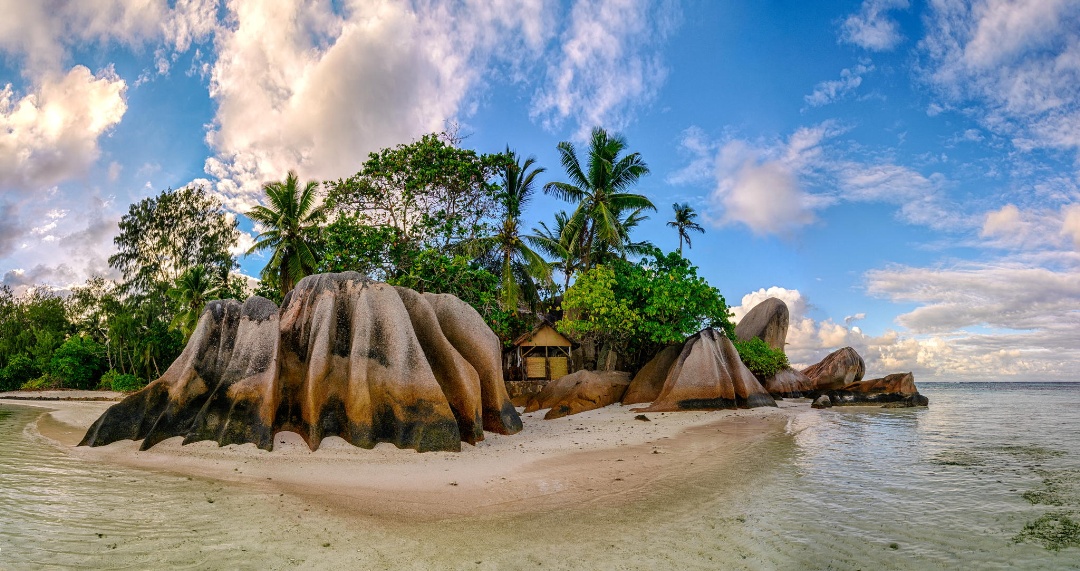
(759, 186)
(1070, 225)
(1006, 319)
(52, 134)
(776, 187)
(1013, 63)
(871, 27)
(300, 86)
(609, 64)
(829, 91)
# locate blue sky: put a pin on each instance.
(904, 174)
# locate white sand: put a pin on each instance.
(604, 456)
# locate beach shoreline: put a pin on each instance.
(603, 457)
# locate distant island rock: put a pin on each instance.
(767, 321)
(345, 356)
(839, 368)
(896, 390)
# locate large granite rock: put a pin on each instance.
(788, 383)
(578, 392)
(839, 368)
(896, 390)
(650, 379)
(708, 374)
(767, 321)
(345, 356)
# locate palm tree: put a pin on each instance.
(518, 260)
(600, 191)
(559, 243)
(684, 220)
(194, 288)
(291, 225)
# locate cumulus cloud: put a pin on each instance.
(776, 187)
(64, 245)
(42, 33)
(52, 134)
(299, 86)
(609, 62)
(1013, 63)
(999, 320)
(872, 27)
(833, 90)
(756, 185)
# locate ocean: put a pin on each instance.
(987, 477)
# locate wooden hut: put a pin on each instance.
(535, 358)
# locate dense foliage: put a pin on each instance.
(762, 360)
(637, 309)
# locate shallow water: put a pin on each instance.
(949, 487)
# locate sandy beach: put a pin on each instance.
(607, 456)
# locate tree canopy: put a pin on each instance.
(161, 237)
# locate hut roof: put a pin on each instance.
(544, 335)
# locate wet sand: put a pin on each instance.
(604, 457)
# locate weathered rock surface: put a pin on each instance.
(345, 356)
(767, 321)
(839, 368)
(822, 401)
(788, 383)
(896, 390)
(578, 392)
(708, 374)
(650, 379)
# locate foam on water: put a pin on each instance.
(949, 487)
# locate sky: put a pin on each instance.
(904, 174)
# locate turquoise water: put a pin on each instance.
(951, 486)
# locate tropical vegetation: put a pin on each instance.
(430, 215)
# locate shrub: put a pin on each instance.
(43, 383)
(762, 360)
(19, 370)
(116, 381)
(78, 362)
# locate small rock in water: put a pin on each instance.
(822, 401)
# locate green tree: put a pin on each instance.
(684, 222)
(434, 193)
(762, 360)
(637, 309)
(600, 190)
(520, 265)
(558, 242)
(162, 237)
(194, 288)
(292, 224)
(435, 272)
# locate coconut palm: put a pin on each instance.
(195, 287)
(600, 190)
(683, 222)
(520, 264)
(291, 223)
(559, 243)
